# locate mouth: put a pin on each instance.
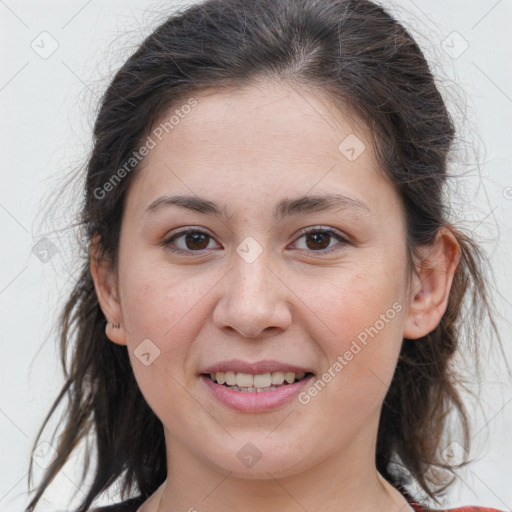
(256, 383)
(254, 387)
(255, 393)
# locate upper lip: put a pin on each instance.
(255, 368)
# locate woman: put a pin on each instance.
(273, 289)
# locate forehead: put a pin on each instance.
(259, 140)
(266, 119)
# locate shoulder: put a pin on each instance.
(460, 509)
(473, 509)
(130, 505)
(419, 508)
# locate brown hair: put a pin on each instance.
(367, 62)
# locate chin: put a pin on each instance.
(259, 459)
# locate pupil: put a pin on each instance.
(195, 238)
(315, 236)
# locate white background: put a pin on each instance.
(47, 111)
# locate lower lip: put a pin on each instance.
(255, 401)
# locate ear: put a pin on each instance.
(106, 286)
(430, 287)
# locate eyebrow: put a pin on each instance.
(285, 207)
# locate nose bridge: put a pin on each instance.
(253, 297)
(250, 274)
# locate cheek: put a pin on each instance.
(162, 306)
(157, 298)
(357, 320)
(352, 302)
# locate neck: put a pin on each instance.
(348, 483)
(381, 498)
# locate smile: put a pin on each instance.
(255, 393)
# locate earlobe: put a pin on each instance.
(106, 286)
(115, 332)
(430, 287)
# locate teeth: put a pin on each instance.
(244, 380)
(230, 378)
(289, 377)
(260, 381)
(263, 380)
(220, 377)
(253, 390)
(277, 378)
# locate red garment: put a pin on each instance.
(418, 508)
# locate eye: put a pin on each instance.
(318, 239)
(194, 240)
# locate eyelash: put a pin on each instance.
(167, 243)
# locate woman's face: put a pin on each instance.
(250, 284)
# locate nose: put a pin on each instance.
(255, 301)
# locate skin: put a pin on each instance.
(248, 149)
